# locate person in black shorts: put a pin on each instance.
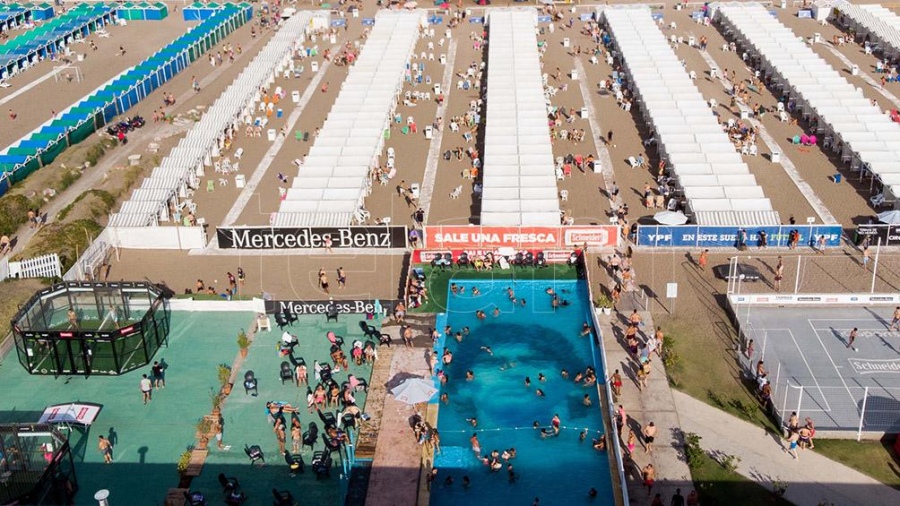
(158, 375)
(341, 278)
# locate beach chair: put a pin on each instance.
(255, 454)
(456, 192)
(633, 162)
(210, 186)
(251, 384)
(564, 195)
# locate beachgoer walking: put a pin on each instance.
(342, 278)
(649, 433)
(852, 338)
(617, 383)
(159, 375)
(895, 320)
(105, 448)
(146, 389)
(649, 476)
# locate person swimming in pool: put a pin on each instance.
(473, 421)
(470, 375)
(511, 294)
(554, 302)
(539, 392)
(465, 331)
(496, 312)
(600, 443)
(480, 315)
(458, 336)
(583, 435)
(564, 373)
(585, 330)
(550, 291)
(541, 377)
(476, 291)
(527, 381)
(487, 349)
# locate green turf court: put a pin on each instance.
(150, 439)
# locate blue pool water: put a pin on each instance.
(525, 341)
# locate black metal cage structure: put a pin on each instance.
(91, 328)
(36, 465)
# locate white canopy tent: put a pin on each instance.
(879, 22)
(519, 173)
(185, 162)
(333, 180)
(700, 155)
(846, 119)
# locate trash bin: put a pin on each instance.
(776, 156)
(279, 113)
(314, 66)
(854, 70)
(836, 177)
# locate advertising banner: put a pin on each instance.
(424, 256)
(699, 236)
(889, 234)
(310, 237)
(299, 307)
(538, 238)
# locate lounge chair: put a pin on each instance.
(281, 321)
(283, 497)
(228, 484)
(196, 498)
(311, 435)
(321, 464)
(255, 454)
(287, 372)
(327, 418)
(295, 464)
(250, 384)
(332, 314)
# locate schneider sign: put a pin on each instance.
(310, 237)
(326, 306)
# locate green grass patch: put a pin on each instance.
(13, 212)
(107, 199)
(706, 368)
(717, 485)
(68, 240)
(437, 280)
(874, 458)
(96, 152)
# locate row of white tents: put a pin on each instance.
(519, 176)
(880, 23)
(870, 139)
(333, 181)
(184, 165)
(717, 184)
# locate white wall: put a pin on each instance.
(158, 237)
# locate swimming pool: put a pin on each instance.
(524, 341)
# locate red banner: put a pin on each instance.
(424, 256)
(478, 237)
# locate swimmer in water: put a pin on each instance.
(527, 381)
(539, 392)
(564, 373)
(475, 290)
(458, 337)
(445, 398)
(465, 331)
(585, 330)
(535, 425)
(600, 444)
(541, 377)
(480, 315)
(473, 421)
(583, 435)
(470, 375)
(511, 294)
(496, 312)
(550, 291)
(487, 349)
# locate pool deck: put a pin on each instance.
(655, 404)
(397, 461)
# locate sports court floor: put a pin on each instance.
(814, 372)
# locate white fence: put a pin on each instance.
(46, 266)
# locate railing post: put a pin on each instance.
(862, 414)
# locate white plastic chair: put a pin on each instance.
(239, 153)
(754, 150)
(564, 195)
(456, 192)
(783, 116)
(633, 162)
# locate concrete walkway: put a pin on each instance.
(655, 404)
(810, 480)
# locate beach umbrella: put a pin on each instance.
(670, 218)
(414, 391)
(890, 217)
